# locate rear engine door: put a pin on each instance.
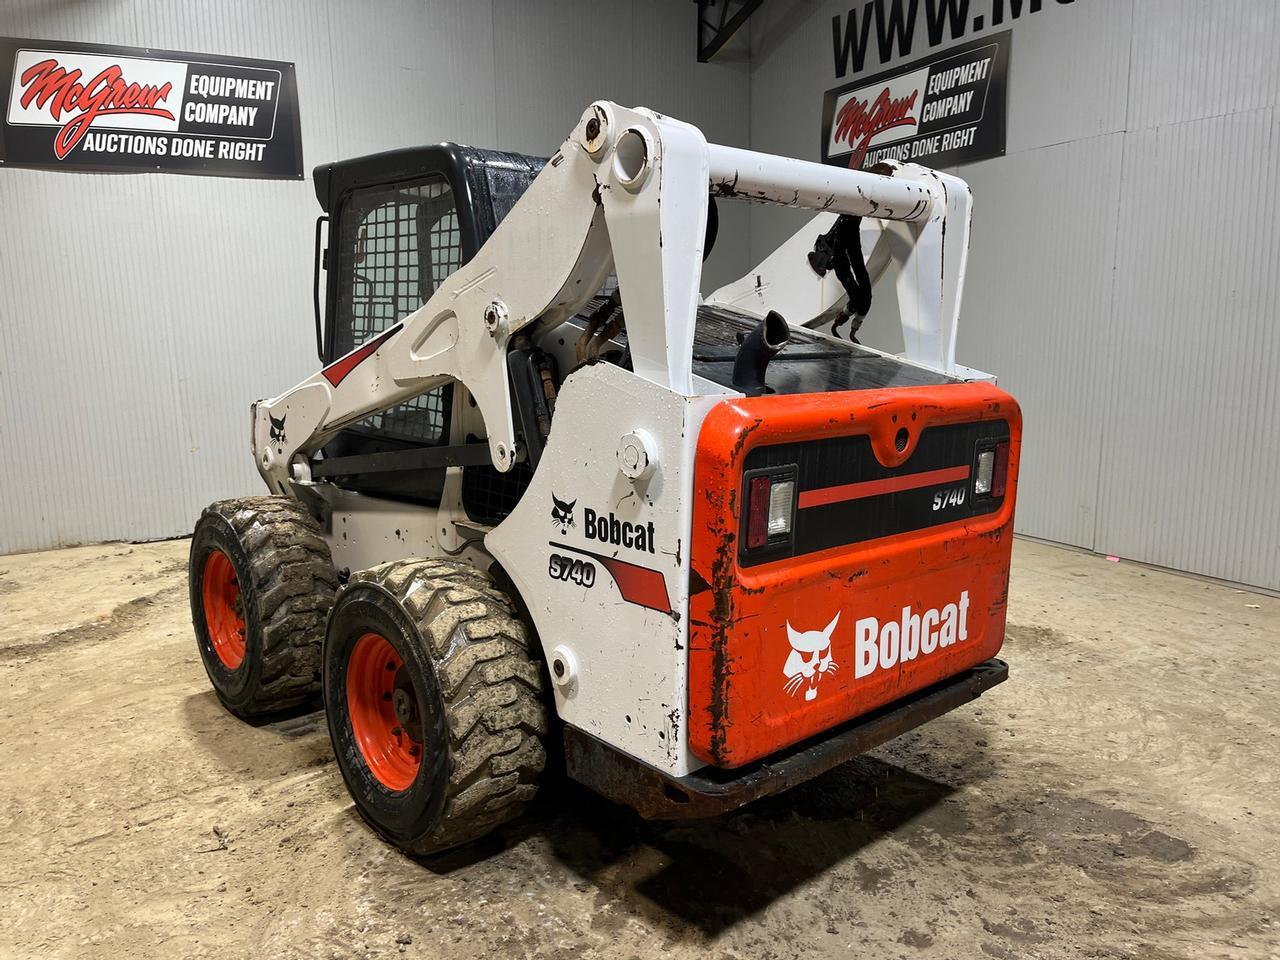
(849, 549)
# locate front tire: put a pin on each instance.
(262, 584)
(434, 702)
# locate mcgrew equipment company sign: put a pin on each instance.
(946, 109)
(81, 106)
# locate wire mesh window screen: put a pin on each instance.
(399, 243)
(446, 248)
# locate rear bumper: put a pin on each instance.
(712, 791)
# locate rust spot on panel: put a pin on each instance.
(849, 578)
(722, 620)
(742, 438)
(727, 188)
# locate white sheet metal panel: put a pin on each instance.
(406, 72)
(143, 313)
(1191, 446)
(1068, 69)
(1036, 311)
(1193, 59)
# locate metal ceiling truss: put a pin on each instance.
(717, 27)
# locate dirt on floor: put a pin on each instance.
(1118, 797)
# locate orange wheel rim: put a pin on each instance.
(223, 609)
(386, 713)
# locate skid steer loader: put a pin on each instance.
(543, 495)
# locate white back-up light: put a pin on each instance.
(986, 466)
(781, 495)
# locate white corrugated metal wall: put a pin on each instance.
(1125, 265)
(1122, 282)
(140, 314)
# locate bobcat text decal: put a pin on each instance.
(876, 645)
(620, 533)
(48, 82)
(880, 646)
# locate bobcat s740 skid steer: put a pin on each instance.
(544, 496)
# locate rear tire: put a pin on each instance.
(262, 584)
(434, 702)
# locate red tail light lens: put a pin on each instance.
(770, 508)
(758, 511)
(1000, 475)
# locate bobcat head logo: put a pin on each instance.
(562, 513)
(277, 428)
(810, 659)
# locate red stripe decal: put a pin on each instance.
(637, 584)
(874, 488)
(337, 371)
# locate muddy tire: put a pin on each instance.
(434, 696)
(262, 584)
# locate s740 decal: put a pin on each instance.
(571, 570)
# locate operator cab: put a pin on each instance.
(399, 223)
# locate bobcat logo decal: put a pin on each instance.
(277, 428)
(562, 514)
(810, 659)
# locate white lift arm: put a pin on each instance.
(627, 190)
(931, 254)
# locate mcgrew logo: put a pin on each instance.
(884, 646)
(860, 120)
(49, 85)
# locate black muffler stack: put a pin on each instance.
(756, 350)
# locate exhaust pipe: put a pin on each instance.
(759, 347)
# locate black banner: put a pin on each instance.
(939, 111)
(86, 106)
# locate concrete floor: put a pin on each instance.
(1117, 798)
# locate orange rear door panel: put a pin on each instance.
(775, 656)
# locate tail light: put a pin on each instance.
(991, 475)
(770, 508)
(1000, 476)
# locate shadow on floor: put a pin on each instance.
(228, 738)
(712, 874)
(704, 875)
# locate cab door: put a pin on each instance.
(391, 245)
